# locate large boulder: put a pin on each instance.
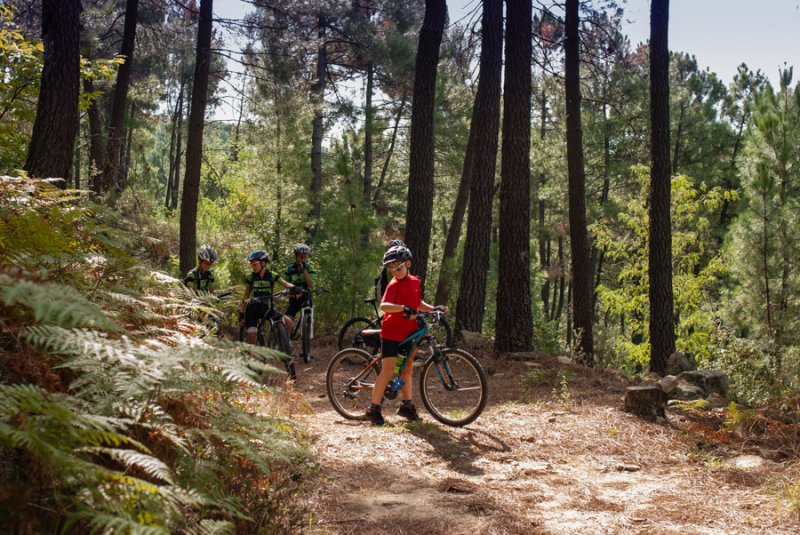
(680, 362)
(469, 338)
(709, 381)
(668, 384)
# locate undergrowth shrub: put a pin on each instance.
(115, 414)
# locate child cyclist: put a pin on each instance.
(260, 283)
(299, 274)
(201, 278)
(403, 298)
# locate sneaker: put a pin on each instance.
(409, 412)
(374, 415)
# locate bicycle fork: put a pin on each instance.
(445, 373)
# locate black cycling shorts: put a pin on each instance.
(294, 307)
(255, 311)
(390, 348)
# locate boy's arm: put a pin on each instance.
(244, 299)
(425, 307)
(307, 276)
(387, 307)
(285, 284)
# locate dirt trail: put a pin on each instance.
(551, 458)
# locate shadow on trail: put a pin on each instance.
(459, 448)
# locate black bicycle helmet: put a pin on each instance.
(260, 255)
(398, 252)
(302, 248)
(395, 243)
(207, 253)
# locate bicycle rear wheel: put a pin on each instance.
(279, 339)
(349, 335)
(349, 381)
(453, 387)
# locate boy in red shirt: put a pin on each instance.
(403, 298)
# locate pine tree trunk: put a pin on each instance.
(514, 316)
(56, 125)
(176, 179)
(447, 268)
(113, 159)
(662, 334)
(317, 130)
(544, 244)
(369, 126)
(419, 210)
(486, 117)
(385, 169)
(95, 141)
(194, 141)
(581, 280)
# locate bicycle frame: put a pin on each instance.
(415, 338)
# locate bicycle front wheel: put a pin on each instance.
(443, 333)
(349, 380)
(305, 330)
(454, 387)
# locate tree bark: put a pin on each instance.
(95, 141)
(447, 268)
(544, 243)
(317, 130)
(176, 181)
(486, 118)
(194, 141)
(171, 200)
(514, 315)
(369, 126)
(113, 159)
(579, 236)
(385, 169)
(419, 210)
(56, 125)
(662, 333)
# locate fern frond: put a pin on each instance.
(212, 527)
(55, 304)
(100, 522)
(150, 465)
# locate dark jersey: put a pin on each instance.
(295, 275)
(199, 280)
(261, 286)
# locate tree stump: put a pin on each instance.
(645, 401)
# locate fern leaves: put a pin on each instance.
(52, 303)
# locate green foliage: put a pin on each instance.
(764, 300)
(158, 433)
(696, 271)
(20, 67)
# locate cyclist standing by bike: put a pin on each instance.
(299, 274)
(400, 303)
(382, 281)
(260, 283)
(201, 278)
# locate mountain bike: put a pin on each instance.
(303, 329)
(352, 334)
(452, 384)
(276, 338)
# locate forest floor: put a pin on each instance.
(547, 456)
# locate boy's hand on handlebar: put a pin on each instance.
(408, 312)
(441, 308)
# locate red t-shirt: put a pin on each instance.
(406, 291)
